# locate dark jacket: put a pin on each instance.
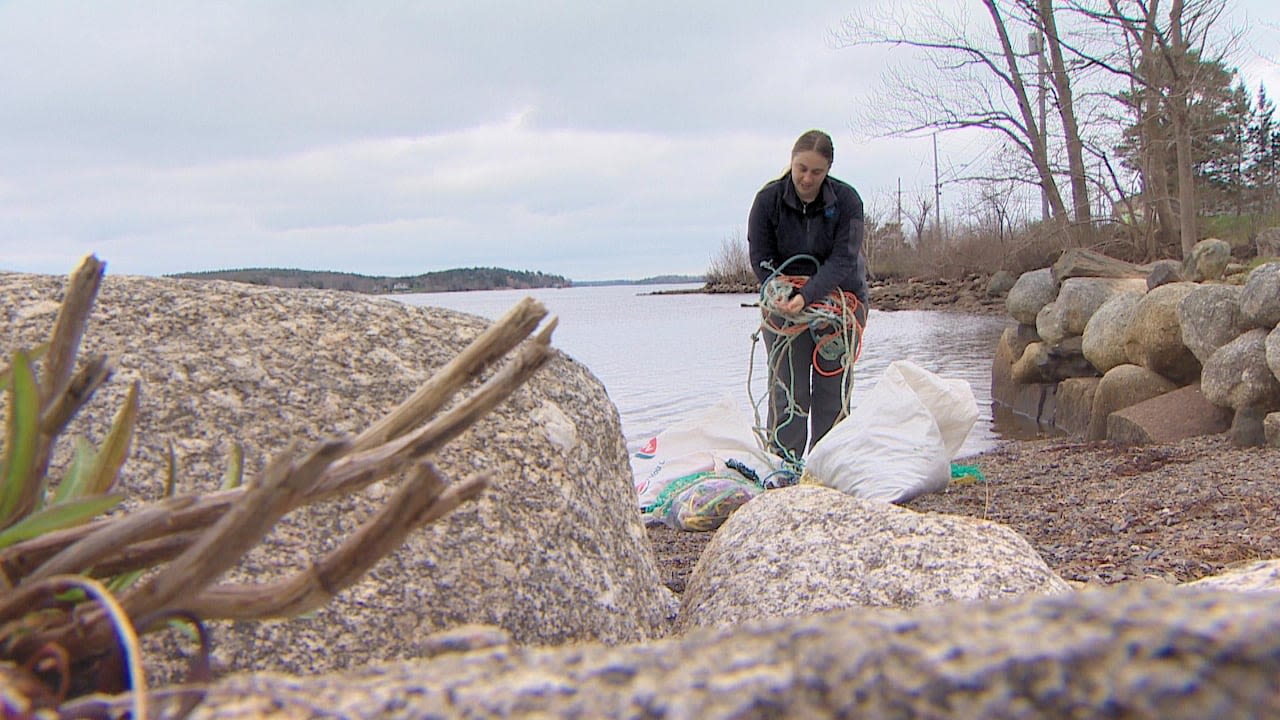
(830, 229)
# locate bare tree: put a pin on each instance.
(992, 209)
(918, 216)
(1067, 113)
(978, 82)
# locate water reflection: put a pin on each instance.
(664, 358)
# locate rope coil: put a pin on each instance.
(835, 326)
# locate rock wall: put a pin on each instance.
(1145, 331)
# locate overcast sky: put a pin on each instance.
(595, 140)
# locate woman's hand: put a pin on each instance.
(793, 305)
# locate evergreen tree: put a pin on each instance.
(1264, 154)
(1221, 115)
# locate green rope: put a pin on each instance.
(967, 473)
(663, 501)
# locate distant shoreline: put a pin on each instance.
(964, 295)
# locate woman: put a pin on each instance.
(805, 236)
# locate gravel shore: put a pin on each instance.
(1100, 513)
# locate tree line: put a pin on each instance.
(457, 279)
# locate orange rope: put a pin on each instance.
(841, 303)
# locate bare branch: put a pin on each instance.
(493, 343)
(422, 500)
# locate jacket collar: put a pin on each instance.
(826, 193)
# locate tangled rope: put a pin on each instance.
(833, 323)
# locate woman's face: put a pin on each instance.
(808, 168)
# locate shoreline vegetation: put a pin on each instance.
(969, 294)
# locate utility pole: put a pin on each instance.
(937, 191)
(899, 202)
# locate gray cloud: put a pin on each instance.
(594, 140)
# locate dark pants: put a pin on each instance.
(803, 403)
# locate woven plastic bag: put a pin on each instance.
(693, 474)
(899, 441)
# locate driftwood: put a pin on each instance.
(194, 539)
(1077, 262)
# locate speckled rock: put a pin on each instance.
(1237, 375)
(1133, 651)
(552, 552)
(1260, 298)
(1154, 340)
(1042, 362)
(1260, 576)
(1001, 283)
(1271, 350)
(1077, 300)
(1271, 429)
(1031, 292)
(808, 549)
(1210, 317)
(1122, 386)
(1268, 242)
(1168, 418)
(1164, 272)
(1208, 260)
(1103, 340)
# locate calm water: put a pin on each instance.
(664, 358)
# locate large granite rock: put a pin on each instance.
(1015, 339)
(1260, 298)
(1079, 262)
(1271, 429)
(1000, 283)
(1134, 651)
(1078, 299)
(1237, 375)
(1103, 339)
(1122, 386)
(553, 552)
(1210, 317)
(1272, 351)
(1042, 362)
(1164, 272)
(1154, 340)
(1259, 576)
(1032, 291)
(1208, 260)
(1075, 404)
(808, 549)
(1267, 243)
(1034, 401)
(1167, 418)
